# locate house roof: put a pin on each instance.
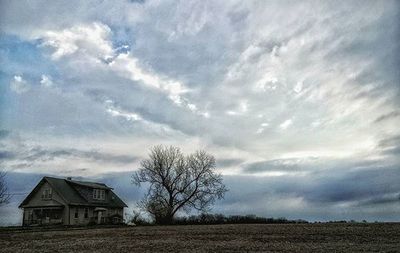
(67, 191)
(89, 184)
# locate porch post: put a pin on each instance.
(99, 217)
(23, 217)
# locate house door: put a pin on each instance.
(101, 214)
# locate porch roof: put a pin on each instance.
(46, 207)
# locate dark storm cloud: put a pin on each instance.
(283, 165)
(351, 185)
(327, 182)
(375, 188)
(395, 150)
(4, 133)
(389, 142)
(229, 162)
(381, 200)
(390, 146)
(387, 116)
(5, 155)
(146, 103)
(42, 154)
(137, 1)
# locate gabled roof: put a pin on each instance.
(65, 188)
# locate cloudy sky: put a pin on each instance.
(299, 102)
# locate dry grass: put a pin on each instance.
(210, 238)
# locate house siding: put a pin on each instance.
(37, 200)
(81, 220)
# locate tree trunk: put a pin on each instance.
(165, 219)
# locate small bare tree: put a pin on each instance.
(4, 194)
(178, 182)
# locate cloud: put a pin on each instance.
(40, 154)
(4, 133)
(119, 113)
(298, 87)
(389, 142)
(381, 200)
(343, 192)
(93, 41)
(17, 153)
(129, 67)
(235, 59)
(284, 125)
(390, 146)
(19, 85)
(90, 40)
(387, 116)
(46, 81)
(342, 188)
(279, 165)
(229, 162)
(5, 155)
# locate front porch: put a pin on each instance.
(43, 216)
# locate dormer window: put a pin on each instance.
(46, 194)
(99, 194)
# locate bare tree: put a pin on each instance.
(178, 182)
(4, 194)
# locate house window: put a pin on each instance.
(99, 194)
(86, 213)
(76, 213)
(46, 194)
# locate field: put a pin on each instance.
(375, 237)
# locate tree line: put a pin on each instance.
(213, 219)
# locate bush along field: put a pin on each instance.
(211, 219)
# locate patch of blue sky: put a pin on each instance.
(122, 38)
(24, 58)
(8, 102)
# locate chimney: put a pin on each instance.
(69, 178)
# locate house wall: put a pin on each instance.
(81, 220)
(36, 199)
(112, 211)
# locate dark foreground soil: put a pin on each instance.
(375, 237)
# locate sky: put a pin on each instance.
(298, 101)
